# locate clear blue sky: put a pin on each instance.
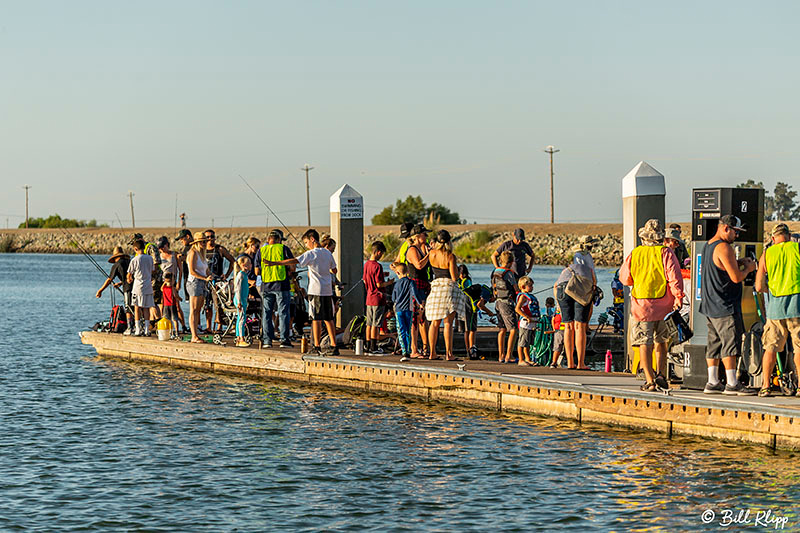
(452, 100)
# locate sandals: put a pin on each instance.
(765, 392)
(649, 387)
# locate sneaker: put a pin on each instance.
(473, 352)
(335, 351)
(739, 390)
(405, 358)
(377, 351)
(267, 344)
(717, 388)
(661, 382)
(316, 350)
(127, 332)
(286, 344)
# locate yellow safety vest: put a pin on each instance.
(783, 268)
(401, 255)
(272, 252)
(647, 270)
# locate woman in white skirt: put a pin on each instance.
(446, 300)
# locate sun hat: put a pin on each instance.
(199, 236)
(117, 253)
(652, 232)
(674, 234)
(585, 243)
(183, 233)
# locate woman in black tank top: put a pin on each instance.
(417, 261)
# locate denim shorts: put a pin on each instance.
(571, 311)
(196, 287)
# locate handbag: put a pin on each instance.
(678, 328)
(580, 288)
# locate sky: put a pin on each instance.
(451, 100)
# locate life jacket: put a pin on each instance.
(272, 252)
(647, 270)
(530, 306)
(783, 268)
(503, 289)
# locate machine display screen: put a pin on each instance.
(706, 200)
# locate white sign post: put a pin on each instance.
(347, 229)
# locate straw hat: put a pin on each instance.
(584, 243)
(652, 232)
(116, 254)
(199, 236)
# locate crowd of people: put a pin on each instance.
(433, 294)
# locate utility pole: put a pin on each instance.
(26, 187)
(551, 150)
(308, 193)
(133, 220)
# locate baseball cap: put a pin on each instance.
(417, 229)
(405, 229)
(183, 233)
(276, 233)
(779, 229)
(134, 237)
(519, 234)
(733, 221)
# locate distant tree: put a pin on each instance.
(55, 221)
(785, 204)
(413, 209)
(769, 201)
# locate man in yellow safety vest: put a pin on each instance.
(654, 275)
(779, 274)
(275, 288)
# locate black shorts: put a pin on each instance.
(320, 307)
(471, 324)
(571, 311)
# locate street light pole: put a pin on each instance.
(26, 187)
(551, 150)
(133, 219)
(308, 193)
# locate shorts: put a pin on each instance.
(648, 332)
(571, 311)
(142, 300)
(558, 341)
(526, 337)
(320, 307)
(471, 323)
(127, 297)
(375, 314)
(506, 316)
(196, 287)
(777, 332)
(725, 336)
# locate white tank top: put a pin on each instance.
(200, 265)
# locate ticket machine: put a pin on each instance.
(708, 205)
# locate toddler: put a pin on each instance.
(241, 289)
(528, 310)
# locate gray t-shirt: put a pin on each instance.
(141, 268)
(582, 264)
(521, 253)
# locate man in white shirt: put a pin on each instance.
(321, 265)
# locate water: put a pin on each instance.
(98, 445)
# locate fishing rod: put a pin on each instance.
(88, 256)
(271, 211)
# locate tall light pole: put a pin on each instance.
(308, 192)
(551, 150)
(26, 187)
(133, 219)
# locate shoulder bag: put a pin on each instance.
(580, 288)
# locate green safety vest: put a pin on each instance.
(783, 268)
(401, 255)
(272, 252)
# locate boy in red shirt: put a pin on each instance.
(376, 300)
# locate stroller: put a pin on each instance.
(223, 289)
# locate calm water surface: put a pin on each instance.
(96, 445)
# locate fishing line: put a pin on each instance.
(89, 257)
(271, 211)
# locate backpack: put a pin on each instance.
(354, 330)
(118, 322)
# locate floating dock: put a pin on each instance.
(584, 396)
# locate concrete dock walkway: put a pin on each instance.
(584, 396)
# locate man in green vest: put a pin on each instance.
(779, 274)
(275, 287)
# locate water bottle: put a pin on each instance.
(608, 360)
(303, 344)
(359, 347)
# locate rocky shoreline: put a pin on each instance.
(473, 243)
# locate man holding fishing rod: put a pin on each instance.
(779, 274)
(120, 260)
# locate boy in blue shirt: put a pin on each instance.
(404, 295)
